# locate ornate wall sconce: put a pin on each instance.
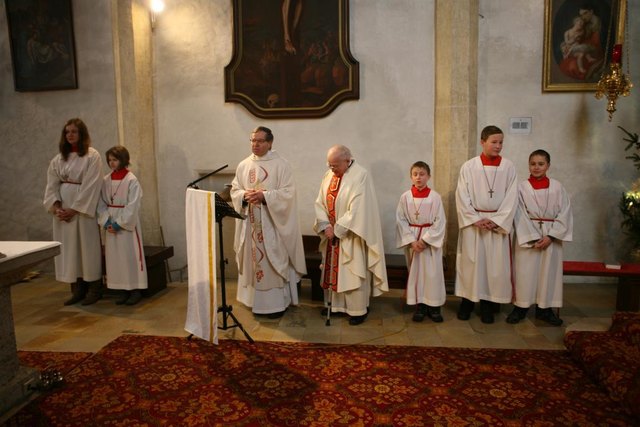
(614, 82)
(156, 7)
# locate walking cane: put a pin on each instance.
(332, 282)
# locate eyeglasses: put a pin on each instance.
(330, 166)
(257, 141)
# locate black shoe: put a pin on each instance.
(124, 296)
(420, 314)
(434, 314)
(466, 307)
(486, 312)
(547, 315)
(487, 318)
(134, 297)
(357, 320)
(75, 298)
(517, 315)
(79, 291)
(276, 315)
(94, 293)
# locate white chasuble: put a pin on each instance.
(538, 272)
(76, 184)
(268, 243)
(202, 309)
(483, 258)
(422, 219)
(357, 227)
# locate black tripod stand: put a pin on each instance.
(223, 210)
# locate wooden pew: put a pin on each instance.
(628, 296)
(155, 257)
(397, 273)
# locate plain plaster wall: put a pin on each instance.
(31, 122)
(587, 151)
(387, 129)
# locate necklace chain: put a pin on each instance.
(546, 206)
(493, 183)
(113, 193)
(417, 209)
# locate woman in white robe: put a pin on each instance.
(118, 214)
(73, 187)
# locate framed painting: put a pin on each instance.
(578, 39)
(42, 44)
(291, 58)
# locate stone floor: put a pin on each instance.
(43, 323)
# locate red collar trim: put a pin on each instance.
(119, 174)
(419, 194)
(74, 148)
(486, 161)
(539, 184)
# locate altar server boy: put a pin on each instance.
(420, 230)
(118, 214)
(543, 222)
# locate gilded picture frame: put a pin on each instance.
(578, 39)
(42, 44)
(291, 58)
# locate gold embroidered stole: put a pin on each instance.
(330, 270)
(258, 251)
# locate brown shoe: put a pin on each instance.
(94, 294)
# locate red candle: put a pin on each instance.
(616, 55)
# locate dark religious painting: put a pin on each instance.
(579, 38)
(42, 44)
(291, 58)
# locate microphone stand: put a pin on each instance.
(193, 183)
(223, 210)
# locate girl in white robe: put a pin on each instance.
(543, 221)
(118, 214)
(420, 230)
(73, 187)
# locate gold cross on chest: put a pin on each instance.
(491, 193)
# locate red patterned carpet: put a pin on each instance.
(62, 362)
(149, 381)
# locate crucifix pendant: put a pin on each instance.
(491, 193)
(540, 224)
(417, 214)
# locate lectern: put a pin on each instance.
(203, 207)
